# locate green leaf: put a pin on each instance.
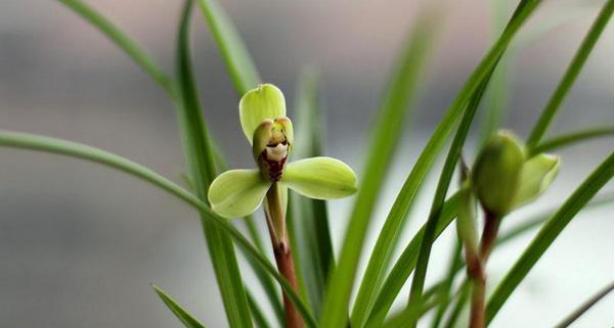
(549, 232)
(202, 170)
(264, 102)
(315, 254)
(406, 264)
(418, 281)
(320, 178)
(572, 138)
(386, 135)
(88, 153)
(497, 95)
(552, 107)
(398, 214)
(240, 66)
(184, 316)
(462, 299)
(537, 220)
(237, 193)
(124, 42)
(537, 174)
(259, 317)
(447, 284)
(585, 306)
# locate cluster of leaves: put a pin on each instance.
(308, 219)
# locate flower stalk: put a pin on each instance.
(276, 222)
(503, 178)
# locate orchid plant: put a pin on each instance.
(237, 193)
(505, 175)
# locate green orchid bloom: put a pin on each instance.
(237, 193)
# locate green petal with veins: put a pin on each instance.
(320, 178)
(537, 174)
(237, 193)
(264, 102)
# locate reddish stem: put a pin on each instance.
(476, 269)
(276, 217)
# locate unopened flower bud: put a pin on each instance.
(496, 173)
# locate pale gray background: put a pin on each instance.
(79, 244)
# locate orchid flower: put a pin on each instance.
(236, 193)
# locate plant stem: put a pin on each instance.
(476, 272)
(490, 233)
(276, 221)
(476, 269)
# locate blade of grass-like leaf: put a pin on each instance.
(538, 220)
(124, 42)
(585, 306)
(590, 40)
(184, 316)
(297, 246)
(402, 318)
(405, 265)
(72, 149)
(450, 164)
(496, 97)
(462, 299)
(398, 214)
(238, 62)
(387, 132)
(549, 232)
(444, 288)
(572, 138)
(316, 255)
(259, 317)
(202, 170)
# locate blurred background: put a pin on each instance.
(80, 243)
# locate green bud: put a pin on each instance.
(537, 175)
(271, 144)
(496, 173)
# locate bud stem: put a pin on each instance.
(476, 264)
(276, 222)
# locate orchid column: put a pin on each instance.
(237, 193)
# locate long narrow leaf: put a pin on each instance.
(85, 152)
(549, 232)
(572, 138)
(590, 40)
(316, 253)
(257, 313)
(124, 42)
(405, 265)
(459, 305)
(238, 62)
(184, 316)
(202, 170)
(387, 132)
(496, 96)
(420, 273)
(585, 306)
(398, 214)
(447, 284)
